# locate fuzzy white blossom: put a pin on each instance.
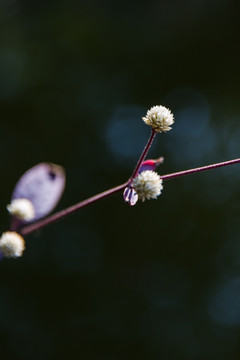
(22, 209)
(11, 244)
(159, 118)
(148, 185)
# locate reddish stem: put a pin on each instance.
(143, 155)
(61, 214)
(199, 169)
(57, 216)
(71, 209)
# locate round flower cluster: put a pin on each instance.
(159, 118)
(11, 244)
(148, 185)
(22, 209)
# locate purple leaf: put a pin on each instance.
(43, 185)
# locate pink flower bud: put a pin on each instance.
(150, 164)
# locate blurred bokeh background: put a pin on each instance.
(160, 280)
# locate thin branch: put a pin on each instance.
(61, 214)
(143, 155)
(27, 229)
(199, 169)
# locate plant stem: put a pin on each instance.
(27, 229)
(61, 214)
(143, 155)
(199, 169)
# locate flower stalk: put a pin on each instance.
(143, 155)
(200, 169)
(27, 229)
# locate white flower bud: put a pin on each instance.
(159, 118)
(11, 244)
(22, 209)
(148, 185)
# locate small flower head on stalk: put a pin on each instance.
(148, 185)
(22, 208)
(159, 118)
(129, 195)
(12, 244)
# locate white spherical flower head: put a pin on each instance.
(22, 209)
(159, 118)
(11, 244)
(148, 185)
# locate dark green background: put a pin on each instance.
(160, 280)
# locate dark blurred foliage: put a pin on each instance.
(160, 280)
